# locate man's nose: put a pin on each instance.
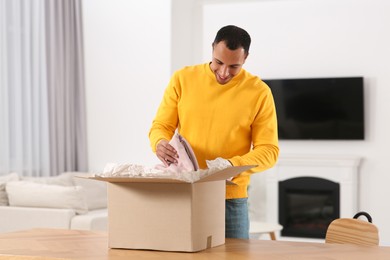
(224, 72)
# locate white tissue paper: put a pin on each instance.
(140, 171)
(219, 163)
(186, 169)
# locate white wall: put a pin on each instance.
(186, 33)
(127, 57)
(130, 56)
(325, 38)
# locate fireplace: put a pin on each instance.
(307, 205)
(305, 193)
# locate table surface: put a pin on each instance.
(48, 244)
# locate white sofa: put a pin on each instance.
(63, 201)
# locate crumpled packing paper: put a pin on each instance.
(141, 171)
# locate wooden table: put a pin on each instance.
(47, 244)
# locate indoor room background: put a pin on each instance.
(131, 48)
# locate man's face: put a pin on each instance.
(226, 63)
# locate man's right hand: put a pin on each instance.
(166, 153)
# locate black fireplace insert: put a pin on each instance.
(307, 205)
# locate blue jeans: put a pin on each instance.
(237, 218)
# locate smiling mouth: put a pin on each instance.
(223, 79)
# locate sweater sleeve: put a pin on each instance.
(166, 119)
(265, 150)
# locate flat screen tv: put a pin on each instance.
(319, 108)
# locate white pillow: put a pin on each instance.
(95, 192)
(30, 194)
(9, 177)
(64, 179)
(3, 180)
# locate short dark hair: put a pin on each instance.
(234, 37)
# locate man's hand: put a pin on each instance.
(166, 153)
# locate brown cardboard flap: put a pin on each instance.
(227, 173)
(135, 179)
(217, 176)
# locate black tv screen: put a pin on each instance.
(319, 108)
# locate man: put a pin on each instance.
(224, 112)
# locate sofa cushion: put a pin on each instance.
(10, 177)
(31, 194)
(22, 218)
(3, 180)
(95, 192)
(64, 179)
(93, 220)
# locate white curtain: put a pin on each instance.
(42, 100)
(67, 113)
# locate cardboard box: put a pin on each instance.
(167, 214)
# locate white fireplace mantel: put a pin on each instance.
(340, 169)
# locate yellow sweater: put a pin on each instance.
(235, 121)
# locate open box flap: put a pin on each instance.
(135, 179)
(219, 175)
(226, 173)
